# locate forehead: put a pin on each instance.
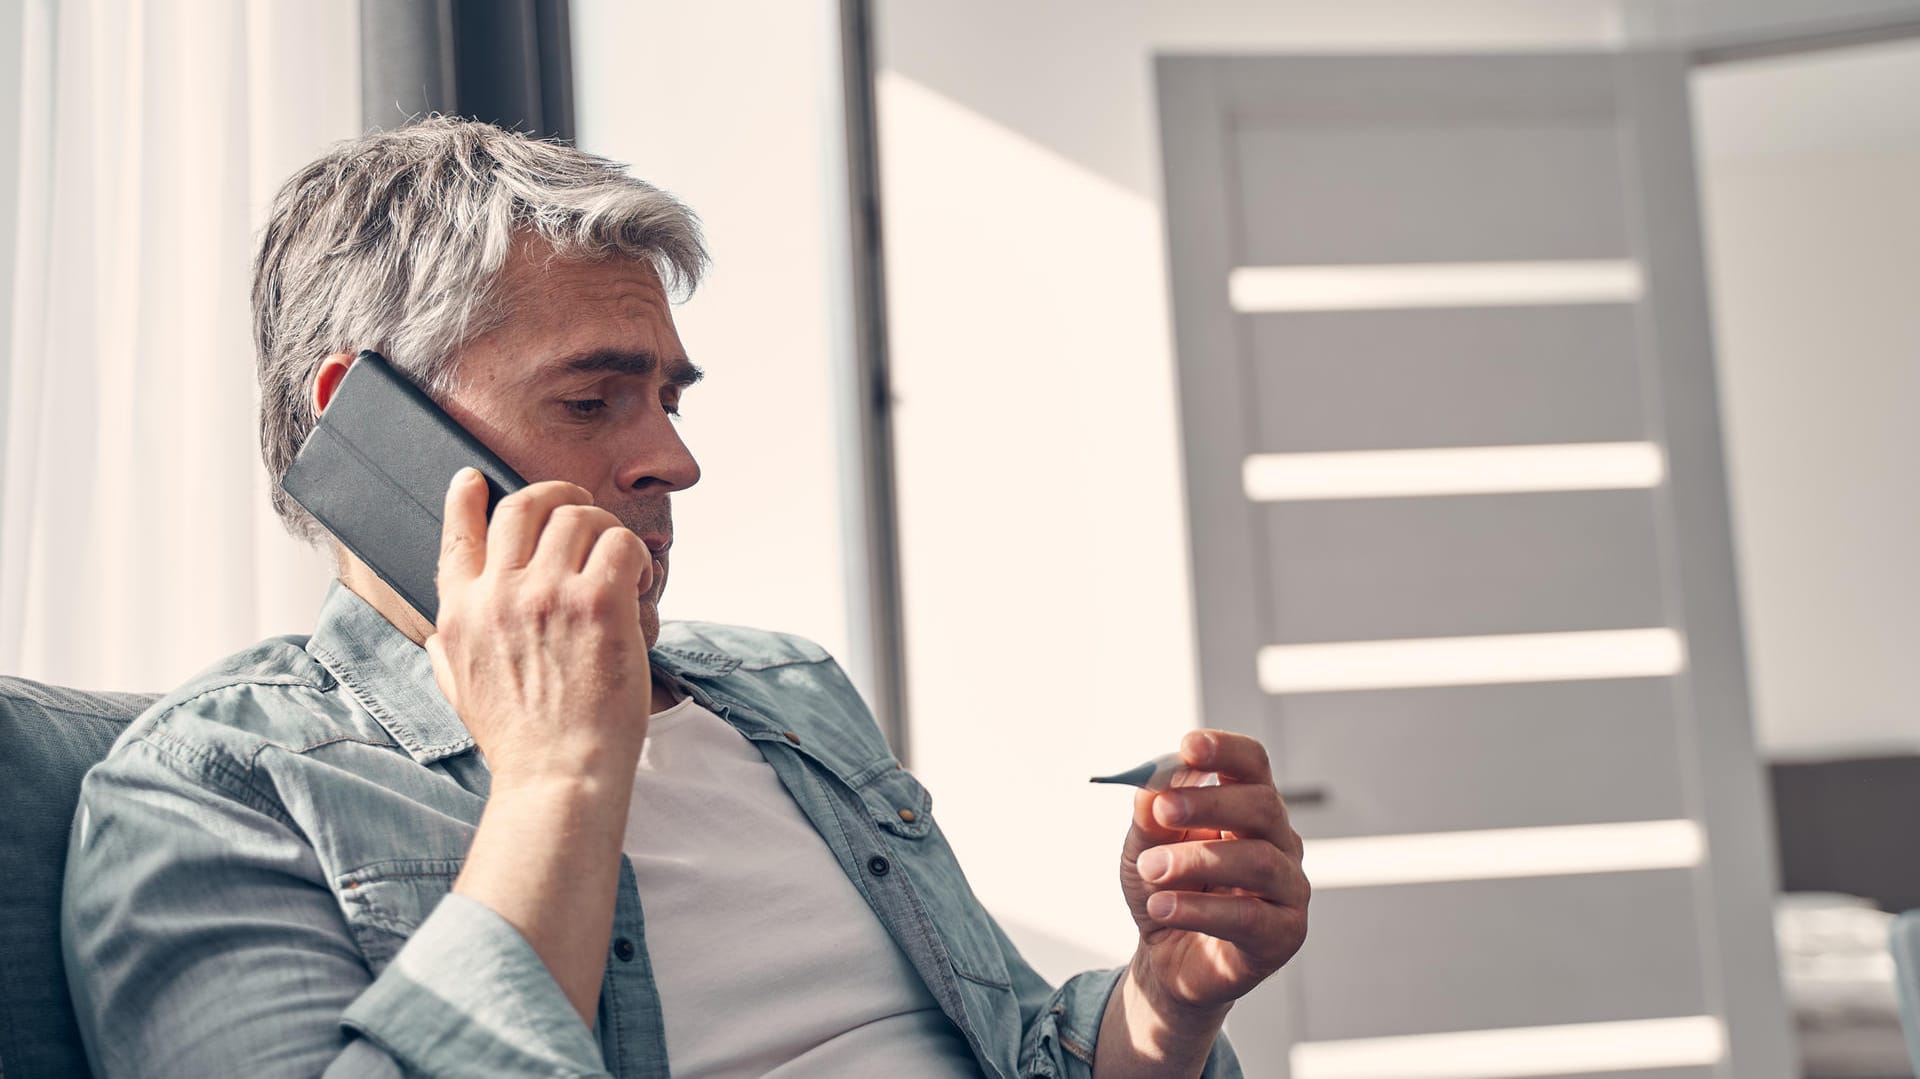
(559, 307)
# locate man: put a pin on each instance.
(546, 834)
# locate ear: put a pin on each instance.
(332, 370)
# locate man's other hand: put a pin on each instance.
(1213, 878)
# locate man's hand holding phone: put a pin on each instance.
(538, 647)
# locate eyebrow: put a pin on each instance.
(680, 371)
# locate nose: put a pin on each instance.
(659, 461)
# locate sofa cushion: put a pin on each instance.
(49, 737)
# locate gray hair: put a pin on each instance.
(395, 242)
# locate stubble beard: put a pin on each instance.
(650, 519)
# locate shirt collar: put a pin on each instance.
(389, 675)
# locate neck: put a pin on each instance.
(363, 582)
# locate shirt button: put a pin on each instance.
(794, 738)
(878, 866)
(623, 950)
(907, 815)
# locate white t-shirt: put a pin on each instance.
(768, 960)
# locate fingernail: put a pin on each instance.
(1154, 864)
(1173, 808)
(462, 476)
(1160, 905)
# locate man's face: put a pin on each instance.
(581, 383)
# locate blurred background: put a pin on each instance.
(1501, 408)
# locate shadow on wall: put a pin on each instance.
(1055, 957)
(1003, 59)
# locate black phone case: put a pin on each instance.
(375, 471)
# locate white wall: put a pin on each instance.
(1049, 614)
(1809, 171)
(737, 109)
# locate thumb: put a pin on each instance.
(442, 668)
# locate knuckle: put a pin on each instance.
(518, 502)
(454, 546)
(623, 546)
(557, 492)
(570, 516)
(1269, 863)
(1243, 918)
(537, 603)
(1272, 802)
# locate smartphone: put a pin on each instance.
(374, 471)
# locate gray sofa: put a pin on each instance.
(49, 737)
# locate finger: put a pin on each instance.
(1254, 865)
(568, 538)
(1248, 810)
(1233, 756)
(1265, 930)
(463, 531)
(621, 560)
(1147, 821)
(520, 518)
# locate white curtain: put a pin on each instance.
(136, 542)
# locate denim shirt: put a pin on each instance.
(260, 872)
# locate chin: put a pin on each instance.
(650, 622)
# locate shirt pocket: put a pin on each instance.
(386, 902)
(899, 803)
(902, 808)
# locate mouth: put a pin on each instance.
(657, 546)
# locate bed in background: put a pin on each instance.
(1847, 845)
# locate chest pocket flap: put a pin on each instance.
(898, 802)
(385, 902)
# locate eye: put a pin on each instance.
(585, 407)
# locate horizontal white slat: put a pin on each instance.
(1465, 661)
(1573, 1049)
(1258, 289)
(1590, 466)
(1501, 853)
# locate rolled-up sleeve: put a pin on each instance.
(1061, 1027)
(442, 998)
(201, 938)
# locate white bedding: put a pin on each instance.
(1838, 975)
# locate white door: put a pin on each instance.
(1461, 555)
